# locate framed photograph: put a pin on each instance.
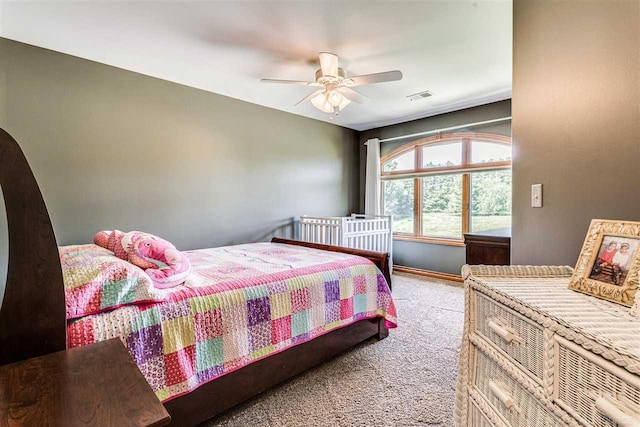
(609, 262)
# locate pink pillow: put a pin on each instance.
(166, 265)
(95, 280)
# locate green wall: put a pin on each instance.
(116, 149)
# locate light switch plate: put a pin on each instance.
(536, 196)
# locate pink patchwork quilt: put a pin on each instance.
(240, 304)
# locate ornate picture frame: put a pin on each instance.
(609, 262)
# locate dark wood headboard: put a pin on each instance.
(32, 317)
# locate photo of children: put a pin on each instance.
(614, 259)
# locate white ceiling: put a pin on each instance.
(459, 50)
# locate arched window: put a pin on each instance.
(440, 187)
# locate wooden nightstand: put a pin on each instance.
(491, 247)
(97, 384)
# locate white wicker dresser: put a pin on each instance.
(536, 354)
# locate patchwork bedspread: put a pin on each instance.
(240, 304)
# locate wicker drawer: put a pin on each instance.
(480, 412)
(511, 400)
(518, 337)
(594, 389)
(477, 418)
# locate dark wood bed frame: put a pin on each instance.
(33, 320)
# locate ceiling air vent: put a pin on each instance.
(420, 95)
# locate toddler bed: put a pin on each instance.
(247, 318)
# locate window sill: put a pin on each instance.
(431, 240)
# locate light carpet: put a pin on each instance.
(407, 379)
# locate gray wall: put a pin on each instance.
(427, 256)
(116, 149)
(3, 87)
(576, 122)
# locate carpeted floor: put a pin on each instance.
(407, 379)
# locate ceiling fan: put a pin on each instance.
(336, 88)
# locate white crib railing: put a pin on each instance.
(370, 232)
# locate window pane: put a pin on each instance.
(397, 200)
(490, 200)
(442, 206)
(486, 152)
(442, 155)
(403, 162)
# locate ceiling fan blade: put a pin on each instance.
(290, 82)
(328, 64)
(354, 96)
(368, 79)
(311, 95)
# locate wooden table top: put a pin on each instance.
(502, 235)
(97, 384)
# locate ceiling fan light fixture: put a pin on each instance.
(330, 101)
(336, 91)
(335, 98)
(321, 102)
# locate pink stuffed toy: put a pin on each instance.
(167, 266)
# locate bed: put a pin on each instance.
(197, 390)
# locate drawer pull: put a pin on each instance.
(504, 333)
(615, 410)
(503, 396)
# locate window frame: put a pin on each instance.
(465, 169)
